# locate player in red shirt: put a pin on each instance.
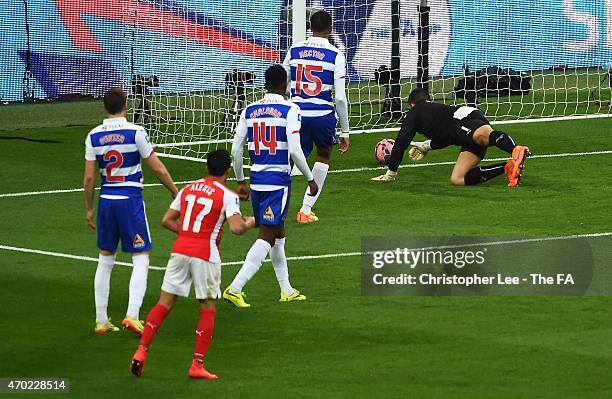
(197, 214)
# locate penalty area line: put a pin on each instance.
(325, 256)
(351, 170)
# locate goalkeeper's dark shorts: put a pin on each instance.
(463, 135)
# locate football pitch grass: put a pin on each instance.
(337, 343)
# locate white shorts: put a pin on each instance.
(183, 270)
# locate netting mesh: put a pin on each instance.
(188, 89)
(549, 42)
(185, 90)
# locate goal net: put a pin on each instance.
(192, 71)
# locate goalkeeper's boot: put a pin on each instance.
(309, 217)
(135, 326)
(138, 361)
(235, 298)
(389, 176)
(508, 168)
(519, 154)
(296, 296)
(514, 171)
(197, 370)
(102, 328)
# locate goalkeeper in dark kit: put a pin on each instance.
(466, 127)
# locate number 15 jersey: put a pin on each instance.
(204, 205)
(314, 65)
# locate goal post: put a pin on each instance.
(423, 44)
(299, 20)
(192, 72)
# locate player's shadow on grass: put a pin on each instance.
(45, 141)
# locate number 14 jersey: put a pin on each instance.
(266, 126)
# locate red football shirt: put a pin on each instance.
(204, 205)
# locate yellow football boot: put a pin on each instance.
(133, 325)
(102, 328)
(296, 296)
(235, 298)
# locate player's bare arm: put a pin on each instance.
(89, 180)
(344, 144)
(171, 220)
(243, 190)
(239, 225)
(237, 151)
(162, 173)
(314, 189)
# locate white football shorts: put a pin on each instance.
(182, 270)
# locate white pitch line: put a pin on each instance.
(324, 256)
(305, 257)
(478, 244)
(411, 165)
(76, 190)
(69, 256)
(200, 142)
(188, 158)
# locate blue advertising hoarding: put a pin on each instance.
(86, 47)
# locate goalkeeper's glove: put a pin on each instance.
(389, 176)
(419, 150)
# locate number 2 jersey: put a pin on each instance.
(118, 147)
(314, 65)
(204, 205)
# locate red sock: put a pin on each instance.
(204, 333)
(155, 318)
